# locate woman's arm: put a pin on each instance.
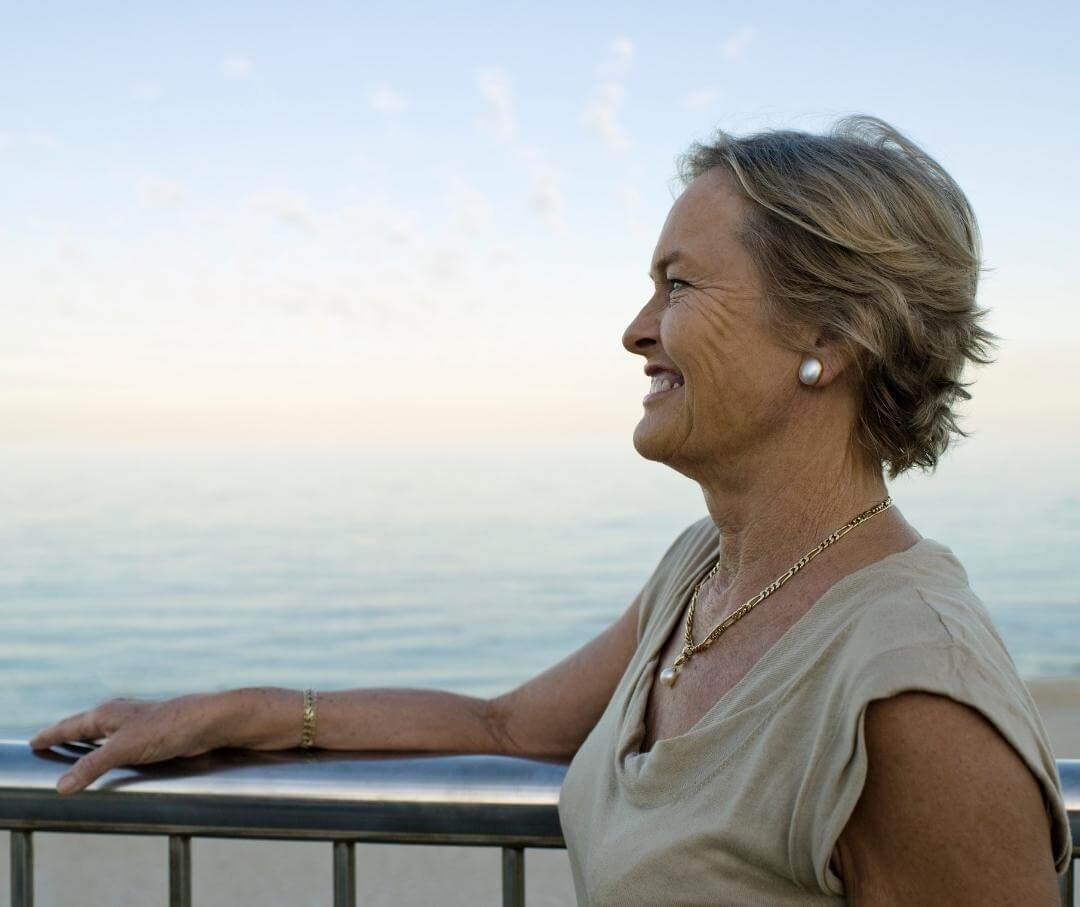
(548, 715)
(553, 713)
(949, 814)
(368, 718)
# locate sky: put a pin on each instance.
(434, 222)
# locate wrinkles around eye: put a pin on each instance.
(676, 290)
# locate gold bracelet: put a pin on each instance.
(307, 736)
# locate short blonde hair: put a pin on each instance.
(861, 235)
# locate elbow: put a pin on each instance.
(508, 732)
(497, 726)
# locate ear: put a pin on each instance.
(833, 358)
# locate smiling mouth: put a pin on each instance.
(662, 387)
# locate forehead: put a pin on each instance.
(701, 229)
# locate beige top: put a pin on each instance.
(746, 806)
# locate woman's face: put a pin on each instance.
(705, 321)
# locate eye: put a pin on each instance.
(675, 289)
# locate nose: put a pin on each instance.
(642, 334)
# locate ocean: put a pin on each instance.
(151, 571)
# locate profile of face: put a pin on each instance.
(705, 327)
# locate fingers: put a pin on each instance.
(134, 732)
(83, 726)
(89, 768)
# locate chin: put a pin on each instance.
(652, 443)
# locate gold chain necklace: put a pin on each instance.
(669, 675)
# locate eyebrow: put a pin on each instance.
(662, 265)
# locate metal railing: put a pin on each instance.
(333, 796)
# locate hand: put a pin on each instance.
(137, 731)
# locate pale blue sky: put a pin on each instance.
(236, 223)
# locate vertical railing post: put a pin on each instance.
(513, 876)
(22, 869)
(1067, 885)
(179, 870)
(344, 874)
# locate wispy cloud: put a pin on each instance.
(158, 192)
(545, 195)
(601, 115)
(737, 41)
(384, 99)
(621, 54)
(497, 92)
(602, 112)
(285, 206)
(237, 67)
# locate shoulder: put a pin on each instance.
(926, 751)
(920, 594)
(915, 614)
(917, 685)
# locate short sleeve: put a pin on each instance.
(840, 766)
(682, 555)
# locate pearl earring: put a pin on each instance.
(810, 370)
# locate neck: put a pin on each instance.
(771, 513)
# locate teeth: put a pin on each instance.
(663, 384)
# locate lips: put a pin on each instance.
(665, 380)
(662, 386)
(656, 368)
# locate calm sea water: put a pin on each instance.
(143, 571)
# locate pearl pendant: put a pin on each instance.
(668, 676)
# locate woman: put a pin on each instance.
(806, 702)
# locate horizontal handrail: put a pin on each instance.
(320, 794)
(343, 797)
(419, 798)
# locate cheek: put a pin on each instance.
(715, 341)
(699, 322)
(704, 348)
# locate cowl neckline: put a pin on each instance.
(645, 774)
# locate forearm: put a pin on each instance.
(371, 718)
